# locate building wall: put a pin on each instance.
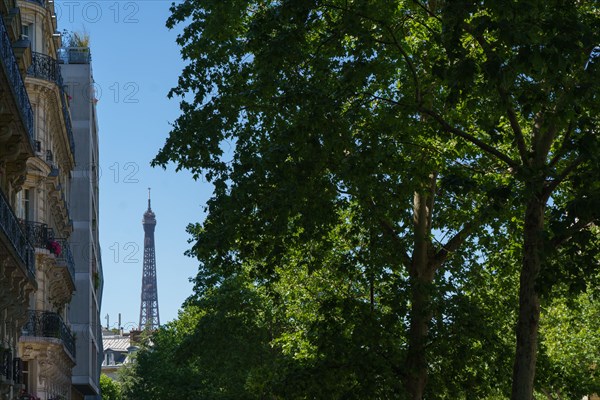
(85, 309)
(39, 245)
(46, 342)
(17, 260)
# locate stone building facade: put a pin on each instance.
(38, 346)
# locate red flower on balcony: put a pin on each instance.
(54, 247)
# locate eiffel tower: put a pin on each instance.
(149, 319)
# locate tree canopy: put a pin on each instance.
(109, 389)
(374, 165)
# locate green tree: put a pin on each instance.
(569, 322)
(109, 389)
(216, 349)
(296, 170)
(425, 118)
(154, 373)
(570, 338)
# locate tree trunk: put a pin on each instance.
(416, 360)
(421, 273)
(529, 307)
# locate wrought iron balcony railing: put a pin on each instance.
(17, 86)
(49, 325)
(40, 2)
(10, 368)
(45, 67)
(6, 364)
(37, 233)
(9, 225)
(17, 374)
(66, 257)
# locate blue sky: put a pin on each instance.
(136, 61)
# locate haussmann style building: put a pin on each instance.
(85, 308)
(49, 250)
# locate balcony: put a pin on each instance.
(62, 278)
(17, 372)
(65, 257)
(75, 55)
(11, 369)
(15, 239)
(44, 67)
(59, 259)
(6, 365)
(47, 68)
(15, 82)
(41, 3)
(49, 326)
(37, 233)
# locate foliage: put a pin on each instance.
(75, 39)
(367, 158)
(569, 356)
(153, 373)
(109, 389)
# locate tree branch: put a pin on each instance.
(573, 229)
(410, 65)
(390, 231)
(470, 138)
(427, 10)
(396, 43)
(544, 143)
(559, 153)
(550, 186)
(388, 228)
(516, 127)
(512, 115)
(454, 242)
(431, 198)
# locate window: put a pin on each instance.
(25, 32)
(26, 375)
(28, 33)
(35, 126)
(23, 210)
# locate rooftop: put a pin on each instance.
(116, 343)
